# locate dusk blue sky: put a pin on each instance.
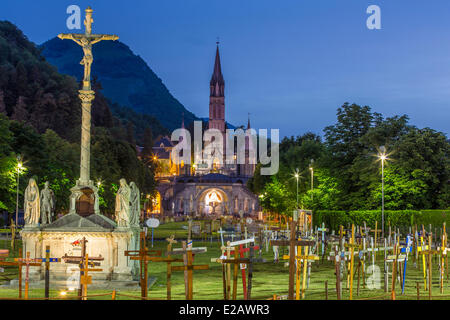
(290, 63)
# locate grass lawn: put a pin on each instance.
(268, 278)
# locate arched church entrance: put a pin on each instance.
(213, 202)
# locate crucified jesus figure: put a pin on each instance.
(86, 41)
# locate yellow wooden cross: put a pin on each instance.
(301, 260)
(85, 278)
(429, 252)
(421, 248)
(352, 245)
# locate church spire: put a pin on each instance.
(248, 123)
(217, 77)
(217, 97)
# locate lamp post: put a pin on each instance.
(382, 156)
(18, 168)
(296, 175)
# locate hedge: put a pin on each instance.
(401, 219)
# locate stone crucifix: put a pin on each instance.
(86, 95)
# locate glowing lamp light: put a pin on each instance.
(63, 293)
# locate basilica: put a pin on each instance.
(208, 189)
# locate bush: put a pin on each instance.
(401, 219)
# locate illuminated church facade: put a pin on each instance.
(211, 188)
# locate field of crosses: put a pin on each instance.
(229, 260)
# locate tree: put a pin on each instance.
(20, 112)
(276, 198)
(130, 134)
(2, 103)
(147, 144)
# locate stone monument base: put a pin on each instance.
(64, 236)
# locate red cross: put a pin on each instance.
(241, 251)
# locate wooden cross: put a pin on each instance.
(292, 243)
(429, 252)
(241, 251)
(13, 234)
(395, 258)
(337, 267)
(80, 260)
(352, 245)
(142, 256)
(250, 269)
(11, 263)
(225, 272)
(47, 260)
(301, 259)
(236, 261)
(443, 255)
(4, 253)
(171, 240)
(183, 251)
(421, 248)
(323, 230)
(375, 231)
(85, 278)
(28, 263)
(188, 268)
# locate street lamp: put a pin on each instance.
(311, 168)
(19, 169)
(383, 157)
(296, 175)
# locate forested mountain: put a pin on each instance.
(125, 77)
(40, 118)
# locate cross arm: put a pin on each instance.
(99, 37)
(151, 252)
(301, 243)
(156, 259)
(308, 257)
(183, 268)
(235, 261)
(193, 250)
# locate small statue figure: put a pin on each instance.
(135, 204)
(123, 204)
(47, 203)
(32, 209)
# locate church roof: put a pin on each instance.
(163, 142)
(75, 222)
(217, 76)
(217, 178)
